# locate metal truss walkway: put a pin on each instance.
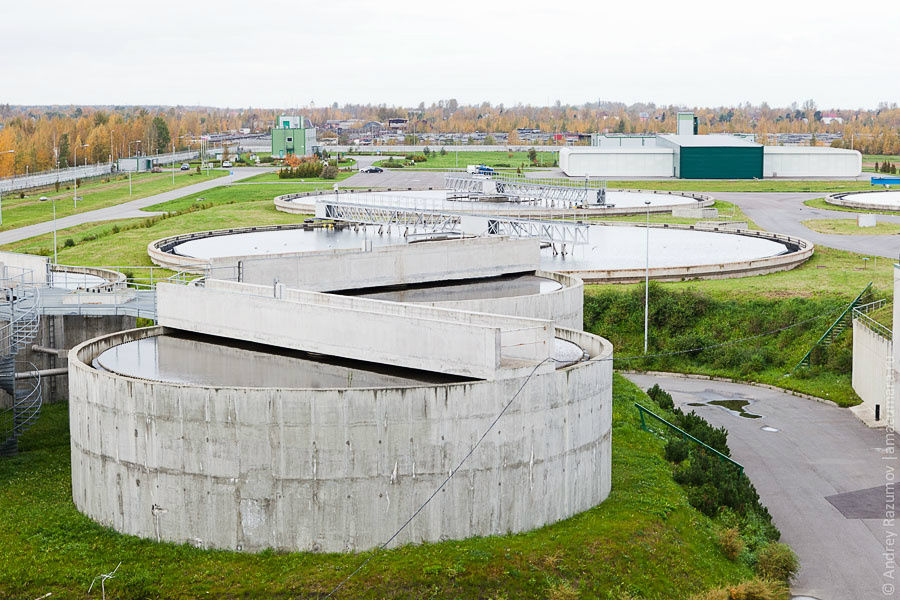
(411, 216)
(549, 192)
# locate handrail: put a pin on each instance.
(860, 313)
(684, 435)
(805, 360)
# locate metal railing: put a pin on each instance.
(860, 313)
(683, 434)
(835, 329)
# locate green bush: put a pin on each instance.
(731, 543)
(661, 397)
(330, 172)
(677, 450)
(69, 243)
(777, 561)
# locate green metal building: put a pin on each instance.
(292, 136)
(714, 156)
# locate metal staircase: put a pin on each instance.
(836, 328)
(20, 304)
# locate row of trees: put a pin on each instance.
(41, 137)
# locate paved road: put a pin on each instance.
(819, 451)
(785, 212)
(125, 210)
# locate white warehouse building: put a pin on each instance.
(623, 162)
(810, 161)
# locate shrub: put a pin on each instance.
(443, 151)
(731, 543)
(330, 172)
(749, 590)
(69, 243)
(661, 397)
(776, 561)
(677, 450)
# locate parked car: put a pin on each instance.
(156, 169)
(226, 164)
(185, 167)
(372, 170)
(479, 169)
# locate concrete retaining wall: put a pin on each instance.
(336, 470)
(18, 263)
(871, 368)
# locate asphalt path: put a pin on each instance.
(822, 475)
(785, 213)
(126, 210)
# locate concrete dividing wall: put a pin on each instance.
(841, 200)
(421, 262)
(336, 470)
(565, 306)
(871, 368)
(432, 339)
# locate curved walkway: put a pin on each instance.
(126, 210)
(785, 213)
(822, 475)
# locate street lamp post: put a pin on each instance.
(1, 193)
(130, 170)
(647, 281)
(75, 192)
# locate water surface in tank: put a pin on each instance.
(881, 200)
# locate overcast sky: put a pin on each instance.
(291, 54)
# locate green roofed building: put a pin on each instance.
(714, 156)
(293, 134)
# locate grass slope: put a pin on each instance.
(644, 540)
(849, 227)
(18, 212)
(821, 203)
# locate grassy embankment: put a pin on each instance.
(689, 315)
(644, 541)
(850, 227)
(19, 212)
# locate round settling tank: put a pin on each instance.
(875, 200)
(176, 437)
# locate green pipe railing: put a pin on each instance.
(839, 325)
(684, 435)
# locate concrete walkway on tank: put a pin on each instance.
(125, 210)
(820, 451)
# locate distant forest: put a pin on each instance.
(42, 137)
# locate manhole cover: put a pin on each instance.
(773, 430)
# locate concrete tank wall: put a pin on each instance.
(333, 469)
(871, 369)
(565, 306)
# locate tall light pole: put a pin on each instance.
(647, 282)
(1, 196)
(75, 192)
(135, 164)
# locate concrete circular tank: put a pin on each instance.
(614, 252)
(618, 202)
(336, 467)
(874, 200)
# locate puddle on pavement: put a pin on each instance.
(768, 428)
(734, 406)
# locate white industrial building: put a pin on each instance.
(810, 161)
(626, 161)
(655, 161)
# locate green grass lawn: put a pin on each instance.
(272, 176)
(644, 541)
(18, 212)
(849, 227)
(116, 244)
(463, 158)
(821, 203)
